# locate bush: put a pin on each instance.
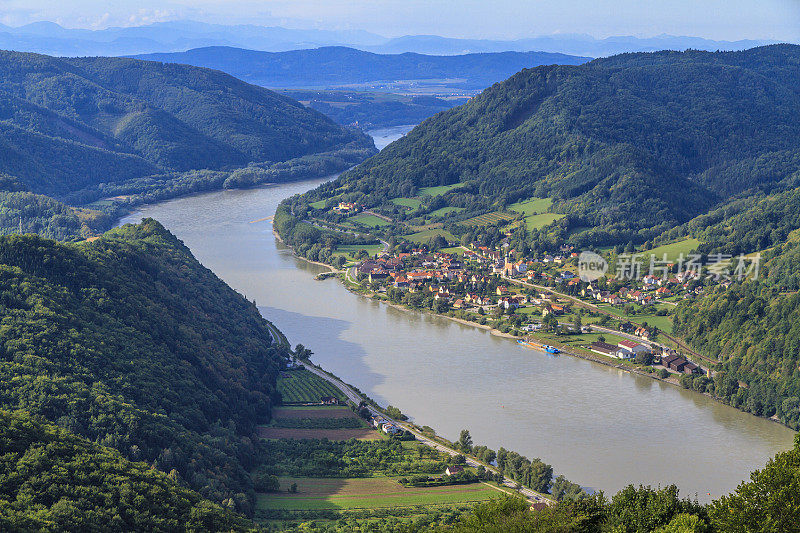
(663, 373)
(263, 482)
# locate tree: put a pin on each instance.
(577, 324)
(770, 501)
(301, 352)
(465, 441)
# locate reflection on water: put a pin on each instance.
(599, 426)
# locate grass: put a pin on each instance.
(348, 249)
(411, 203)
(534, 206)
(445, 210)
(425, 235)
(664, 323)
(301, 386)
(369, 220)
(541, 220)
(368, 493)
(454, 250)
(674, 250)
(319, 204)
(488, 219)
(438, 191)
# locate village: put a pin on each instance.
(542, 299)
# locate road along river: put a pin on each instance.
(601, 427)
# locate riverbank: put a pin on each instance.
(565, 350)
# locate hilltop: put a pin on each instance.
(626, 147)
(68, 124)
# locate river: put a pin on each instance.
(599, 426)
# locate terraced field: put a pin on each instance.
(369, 493)
(301, 386)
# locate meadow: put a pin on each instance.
(368, 493)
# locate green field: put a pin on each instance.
(541, 220)
(454, 250)
(425, 235)
(445, 210)
(534, 206)
(301, 386)
(411, 203)
(438, 191)
(320, 204)
(664, 323)
(368, 493)
(489, 218)
(369, 220)
(674, 250)
(347, 249)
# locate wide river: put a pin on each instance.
(601, 427)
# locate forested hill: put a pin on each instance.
(129, 342)
(71, 123)
(339, 65)
(628, 146)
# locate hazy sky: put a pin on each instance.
(718, 19)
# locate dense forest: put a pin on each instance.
(71, 123)
(53, 480)
(628, 147)
(129, 342)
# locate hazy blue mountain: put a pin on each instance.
(582, 45)
(176, 36)
(330, 66)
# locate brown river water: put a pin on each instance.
(599, 426)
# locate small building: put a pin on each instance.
(391, 429)
(632, 348)
(329, 400)
(603, 348)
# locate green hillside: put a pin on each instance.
(129, 342)
(71, 123)
(52, 480)
(627, 147)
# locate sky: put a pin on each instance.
(493, 19)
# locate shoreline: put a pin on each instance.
(566, 351)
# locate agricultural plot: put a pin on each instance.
(445, 211)
(541, 220)
(353, 249)
(301, 386)
(488, 219)
(369, 220)
(425, 235)
(313, 411)
(320, 204)
(369, 493)
(674, 250)
(410, 203)
(271, 432)
(438, 191)
(534, 206)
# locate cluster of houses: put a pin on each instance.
(628, 349)
(347, 208)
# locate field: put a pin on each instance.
(534, 206)
(674, 249)
(319, 204)
(368, 493)
(313, 411)
(541, 220)
(425, 235)
(346, 249)
(664, 323)
(301, 386)
(489, 218)
(369, 220)
(445, 210)
(454, 250)
(438, 191)
(411, 203)
(269, 432)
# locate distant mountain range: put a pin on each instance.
(331, 66)
(177, 36)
